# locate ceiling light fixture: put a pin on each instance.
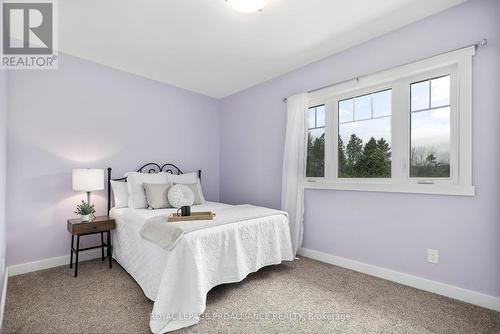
(247, 6)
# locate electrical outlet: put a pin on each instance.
(432, 255)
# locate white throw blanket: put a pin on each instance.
(167, 234)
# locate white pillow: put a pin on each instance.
(120, 192)
(135, 184)
(190, 179)
(183, 178)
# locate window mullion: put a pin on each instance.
(400, 133)
(331, 140)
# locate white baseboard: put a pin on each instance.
(4, 295)
(28, 267)
(439, 288)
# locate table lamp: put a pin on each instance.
(88, 180)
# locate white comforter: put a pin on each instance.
(178, 280)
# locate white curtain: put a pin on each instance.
(294, 164)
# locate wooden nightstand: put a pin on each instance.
(98, 225)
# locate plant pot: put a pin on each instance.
(86, 218)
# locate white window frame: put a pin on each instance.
(458, 64)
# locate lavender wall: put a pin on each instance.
(3, 166)
(88, 115)
(384, 229)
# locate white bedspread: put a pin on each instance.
(166, 235)
(178, 280)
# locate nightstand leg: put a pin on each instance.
(77, 251)
(102, 245)
(71, 257)
(110, 249)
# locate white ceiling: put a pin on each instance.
(207, 47)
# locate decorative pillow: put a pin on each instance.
(156, 195)
(120, 193)
(135, 184)
(180, 195)
(191, 180)
(196, 189)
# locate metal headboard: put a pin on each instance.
(150, 167)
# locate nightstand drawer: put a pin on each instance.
(99, 224)
(91, 227)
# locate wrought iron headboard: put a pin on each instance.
(150, 167)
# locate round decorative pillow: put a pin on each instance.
(180, 195)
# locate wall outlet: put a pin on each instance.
(432, 256)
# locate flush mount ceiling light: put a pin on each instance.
(247, 6)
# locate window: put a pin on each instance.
(364, 147)
(316, 142)
(407, 129)
(430, 128)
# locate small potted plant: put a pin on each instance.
(86, 211)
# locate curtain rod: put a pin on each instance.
(483, 42)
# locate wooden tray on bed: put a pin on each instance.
(174, 217)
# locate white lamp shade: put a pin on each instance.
(88, 179)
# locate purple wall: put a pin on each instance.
(3, 166)
(88, 115)
(384, 229)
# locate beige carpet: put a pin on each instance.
(101, 300)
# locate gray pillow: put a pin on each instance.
(196, 189)
(156, 195)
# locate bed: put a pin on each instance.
(179, 279)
